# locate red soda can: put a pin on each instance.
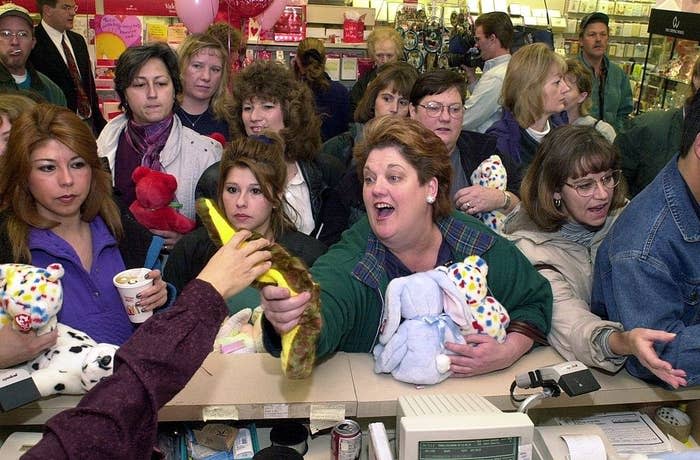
(346, 441)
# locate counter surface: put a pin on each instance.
(252, 386)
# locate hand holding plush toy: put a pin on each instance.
(492, 174)
(30, 298)
(155, 191)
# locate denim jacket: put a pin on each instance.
(647, 272)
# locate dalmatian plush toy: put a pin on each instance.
(491, 173)
(30, 298)
(485, 314)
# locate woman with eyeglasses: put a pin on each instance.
(533, 99)
(571, 195)
(437, 102)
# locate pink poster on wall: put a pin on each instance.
(115, 33)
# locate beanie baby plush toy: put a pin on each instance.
(152, 208)
(438, 306)
(30, 298)
(492, 174)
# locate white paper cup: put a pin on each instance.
(129, 283)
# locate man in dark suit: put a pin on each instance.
(53, 40)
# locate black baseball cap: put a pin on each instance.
(593, 18)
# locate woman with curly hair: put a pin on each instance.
(331, 97)
(267, 97)
(204, 72)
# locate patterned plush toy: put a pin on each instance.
(487, 315)
(433, 309)
(30, 298)
(491, 173)
(299, 344)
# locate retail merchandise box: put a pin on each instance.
(16, 389)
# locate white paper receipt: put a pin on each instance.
(324, 416)
(584, 447)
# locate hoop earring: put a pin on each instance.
(557, 203)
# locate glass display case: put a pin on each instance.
(666, 82)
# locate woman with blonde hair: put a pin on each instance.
(533, 99)
(251, 196)
(204, 72)
(57, 207)
(331, 97)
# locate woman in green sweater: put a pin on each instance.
(411, 227)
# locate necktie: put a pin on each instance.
(82, 101)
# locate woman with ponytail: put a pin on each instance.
(331, 97)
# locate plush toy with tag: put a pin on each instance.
(30, 298)
(485, 315)
(432, 308)
(155, 198)
(492, 174)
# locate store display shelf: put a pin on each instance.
(329, 45)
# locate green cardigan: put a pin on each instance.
(353, 281)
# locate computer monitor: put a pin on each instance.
(432, 427)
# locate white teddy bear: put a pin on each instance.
(30, 298)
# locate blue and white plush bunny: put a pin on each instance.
(433, 309)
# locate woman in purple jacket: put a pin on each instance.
(533, 99)
(57, 207)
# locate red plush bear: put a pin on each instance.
(155, 191)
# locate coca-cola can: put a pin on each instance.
(346, 441)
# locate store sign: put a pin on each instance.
(675, 24)
(141, 8)
(84, 6)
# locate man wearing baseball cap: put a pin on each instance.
(611, 94)
(16, 42)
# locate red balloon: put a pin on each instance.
(249, 8)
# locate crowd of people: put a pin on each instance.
(364, 186)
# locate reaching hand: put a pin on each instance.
(640, 342)
(236, 264)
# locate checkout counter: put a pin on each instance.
(252, 387)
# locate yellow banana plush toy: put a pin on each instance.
(299, 344)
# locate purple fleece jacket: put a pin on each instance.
(118, 419)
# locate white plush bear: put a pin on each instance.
(30, 298)
(491, 173)
(433, 309)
